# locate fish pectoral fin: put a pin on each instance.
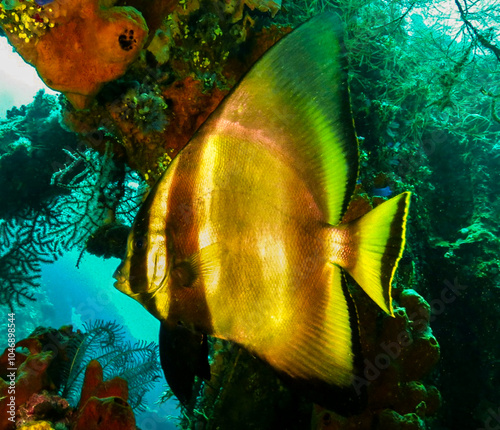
(318, 356)
(186, 272)
(183, 355)
(208, 259)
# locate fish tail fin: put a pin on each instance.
(375, 243)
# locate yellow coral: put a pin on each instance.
(37, 425)
(163, 163)
(24, 20)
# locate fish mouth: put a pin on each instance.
(118, 275)
(121, 283)
(123, 286)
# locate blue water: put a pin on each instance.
(87, 293)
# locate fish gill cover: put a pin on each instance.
(425, 102)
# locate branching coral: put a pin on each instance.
(102, 201)
(482, 37)
(95, 196)
(23, 247)
(94, 187)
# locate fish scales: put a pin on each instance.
(265, 236)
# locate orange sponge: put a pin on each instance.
(85, 46)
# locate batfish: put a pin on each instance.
(241, 238)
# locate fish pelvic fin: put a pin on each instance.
(370, 247)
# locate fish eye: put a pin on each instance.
(139, 243)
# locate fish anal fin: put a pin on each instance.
(318, 353)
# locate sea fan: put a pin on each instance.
(138, 364)
(23, 247)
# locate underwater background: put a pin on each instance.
(77, 159)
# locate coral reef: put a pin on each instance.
(31, 377)
(47, 406)
(31, 143)
(76, 46)
(196, 56)
(430, 126)
(107, 400)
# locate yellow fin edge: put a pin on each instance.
(379, 239)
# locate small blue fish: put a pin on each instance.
(382, 192)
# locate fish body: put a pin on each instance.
(241, 237)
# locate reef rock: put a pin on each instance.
(36, 405)
(16, 387)
(41, 407)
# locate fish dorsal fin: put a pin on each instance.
(295, 103)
